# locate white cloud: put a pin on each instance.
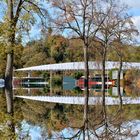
(136, 20)
(132, 3)
(135, 7)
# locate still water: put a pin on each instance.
(37, 120)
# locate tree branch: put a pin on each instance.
(19, 7)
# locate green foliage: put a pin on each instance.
(57, 48)
(74, 50)
(46, 75)
(52, 50)
(131, 54)
(2, 59)
(35, 53)
(77, 90)
(17, 57)
(111, 71)
(18, 49)
(77, 74)
(46, 89)
(57, 81)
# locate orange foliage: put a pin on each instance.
(138, 83)
(128, 90)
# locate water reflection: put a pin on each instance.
(7, 129)
(66, 121)
(71, 86)
(41, 120)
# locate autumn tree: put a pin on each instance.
(3, 60)
(116, 22)
(73, 50)
(79, 17)
(104, 37)
(35, 53)
(57, 46)
(124, 35)
(20, 15)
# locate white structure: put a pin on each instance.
(2, 83)
(80, 66)
(81, 100)
(115, 91)
(115, 74)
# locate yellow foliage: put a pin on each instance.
(138, 83)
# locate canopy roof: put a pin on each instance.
(80, 66)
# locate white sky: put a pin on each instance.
(132, 3)
(135, 11)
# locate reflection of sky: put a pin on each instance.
(136, 127)
(35, 131)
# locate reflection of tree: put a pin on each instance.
(104, 122)
(6, 118)
(107, 124)
(49, 116)
(10, 120)
(132, 82)
(111, 123)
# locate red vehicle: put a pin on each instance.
(95, 82)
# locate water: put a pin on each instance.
(38, 120)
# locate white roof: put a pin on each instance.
(80, 66)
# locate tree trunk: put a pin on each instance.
(10, 112)
(86, 86)
(9, 94)
(9, 65)
(103, 78)
(118, 81)
(8, 82)
(9, 100)
(103, 95)
(9, 71)
(51, 83)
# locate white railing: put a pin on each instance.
(81, 100)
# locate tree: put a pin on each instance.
(105, 36)
(124, 32)
(20, 15)
(35, 53)
(117, 22)
(73, 50)
(80, 17)
(56, 45)
(17, 58)
(3, 60)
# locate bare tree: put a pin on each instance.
(114, 126)
(124, 33)
(106, 35)
(79, 17)
(117, 26)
